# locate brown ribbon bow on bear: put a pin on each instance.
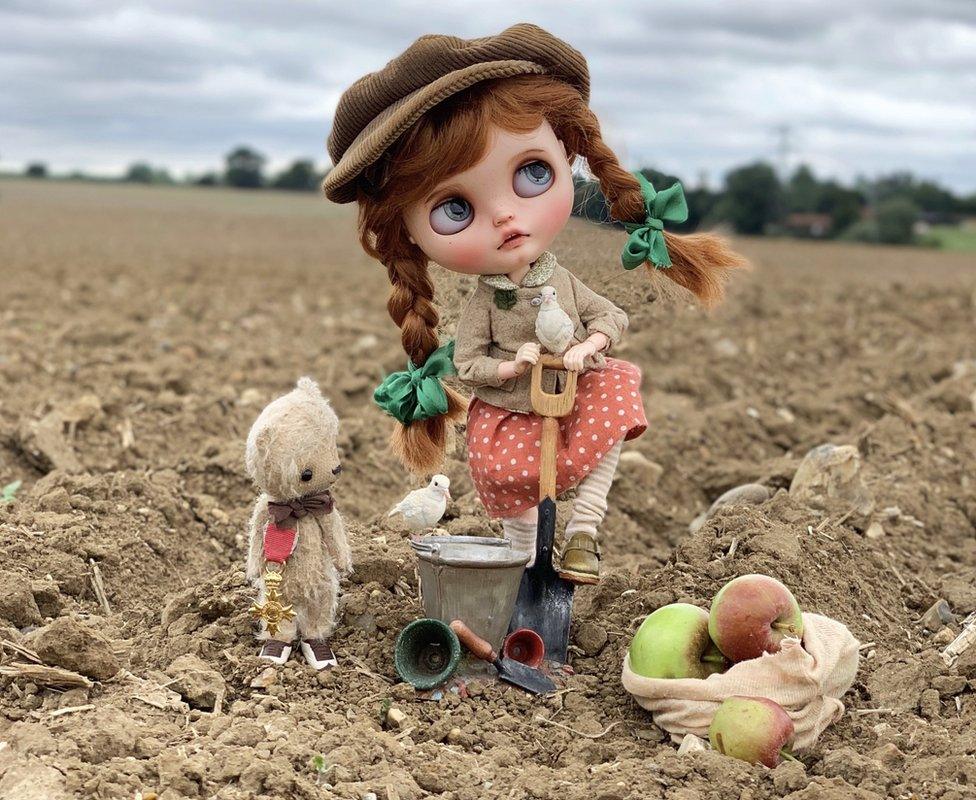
(314, 504)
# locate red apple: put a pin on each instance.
(751, 615)
(673, 643)
(753, 729)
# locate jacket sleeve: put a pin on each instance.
(598, 314)
(472, 344)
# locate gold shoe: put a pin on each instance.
(581, 560)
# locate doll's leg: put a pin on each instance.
(590, 505)
(521, 531)
(581, 556)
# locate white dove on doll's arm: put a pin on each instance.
(553, 326)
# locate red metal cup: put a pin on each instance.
(525, 646)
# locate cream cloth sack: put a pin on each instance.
(807, 681)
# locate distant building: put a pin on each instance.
(809, 225)
(938, 218)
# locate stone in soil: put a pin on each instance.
(938, 616)
(830, 474)
(751, 494)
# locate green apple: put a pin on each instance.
(753, 729)
(673, 643)
(751, 615)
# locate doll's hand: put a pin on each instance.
(574, 357)
(527, 355)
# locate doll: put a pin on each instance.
(460, 152)
(297, 546)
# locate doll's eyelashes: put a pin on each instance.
(451, 216)
(532, 179)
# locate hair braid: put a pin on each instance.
(419, 446)
(700, 262)
(411, 307)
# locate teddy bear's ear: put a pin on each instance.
(306, 384)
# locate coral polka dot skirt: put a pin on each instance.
(504, 446)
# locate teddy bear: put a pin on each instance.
(298, 549)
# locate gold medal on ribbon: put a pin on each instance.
(272, 610)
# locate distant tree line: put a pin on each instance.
(244, 168)
(752, 200)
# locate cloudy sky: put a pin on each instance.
(692, 87)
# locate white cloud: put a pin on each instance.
(695, 86)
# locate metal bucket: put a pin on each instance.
(471, 578)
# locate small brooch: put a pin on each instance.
(505, 298)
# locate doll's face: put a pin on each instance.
(523, 186)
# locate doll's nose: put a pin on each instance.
(502, 216)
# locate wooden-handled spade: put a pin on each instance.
(545, 600)
(509, 670)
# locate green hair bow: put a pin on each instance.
(646, 242)
(416, 393)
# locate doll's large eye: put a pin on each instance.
(451, 216)
(532, 179)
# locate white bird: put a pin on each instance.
(553, 326)
(423, 508)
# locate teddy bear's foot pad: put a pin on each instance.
(318, 653)
(275, 651)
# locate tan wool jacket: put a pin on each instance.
(488, 333)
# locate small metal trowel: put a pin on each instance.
(509, 670)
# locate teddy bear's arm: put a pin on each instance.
(337, 543)
(255, 554)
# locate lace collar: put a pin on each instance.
(538, 274)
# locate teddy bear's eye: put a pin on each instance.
(306, 475)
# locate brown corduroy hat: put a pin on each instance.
(382, 105)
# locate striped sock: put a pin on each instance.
(521, 532)
(590, 505)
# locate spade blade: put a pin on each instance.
(545, 601)
(523, 676)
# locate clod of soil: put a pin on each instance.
(67, 642)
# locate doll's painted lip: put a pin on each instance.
(513, 241)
